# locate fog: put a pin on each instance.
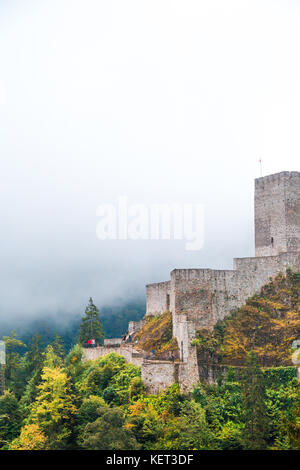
(162, 102)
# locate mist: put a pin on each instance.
(163, 102)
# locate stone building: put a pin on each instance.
(198, 298)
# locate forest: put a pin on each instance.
(55, 401)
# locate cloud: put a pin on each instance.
(164, 102)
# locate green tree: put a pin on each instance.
(253, 404)
(34, 356)
(73, 362)
(88, 413)
(10, 418)
(58, 346)
(15, 367)
(291, 424)
(91, 326)
(136, 387)
(55, 406)
(108, 432)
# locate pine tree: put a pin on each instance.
(254, 407)
(91, 326)
(291, 423)
(34, 356)
(58, 346)
(15, 367)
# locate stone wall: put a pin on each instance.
(253, 273)
(158, 375)
(157, 298)
(135, 326)
(126, 351)
(204, 296)
(192, 293)
(188, 372)
(184, 331)
(112, 342)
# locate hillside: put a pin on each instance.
(156, 337)
(267, 325)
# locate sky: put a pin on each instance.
(160, 101)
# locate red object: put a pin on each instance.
(89, 341)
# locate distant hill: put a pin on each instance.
(114, 320)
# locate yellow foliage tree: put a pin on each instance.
(54, 408)
(31, 438)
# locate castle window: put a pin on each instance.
(272, 241)
(168, 302)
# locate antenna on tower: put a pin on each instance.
(260, 165)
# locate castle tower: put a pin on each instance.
(277, 214)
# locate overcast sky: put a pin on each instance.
(161, 101)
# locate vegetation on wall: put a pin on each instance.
(267, 325)
(156, 336)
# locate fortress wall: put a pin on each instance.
(255, 272)
(192, 295)
(156, 298)
(225, 294)
(124, 350)
(188, 372)
(135, 326)
(184, 331)
(158, 375)
(292, 260)
(204, 296)
(112, 342)
(231, 289)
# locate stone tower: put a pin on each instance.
(277, 214)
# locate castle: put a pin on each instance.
(198, 298)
